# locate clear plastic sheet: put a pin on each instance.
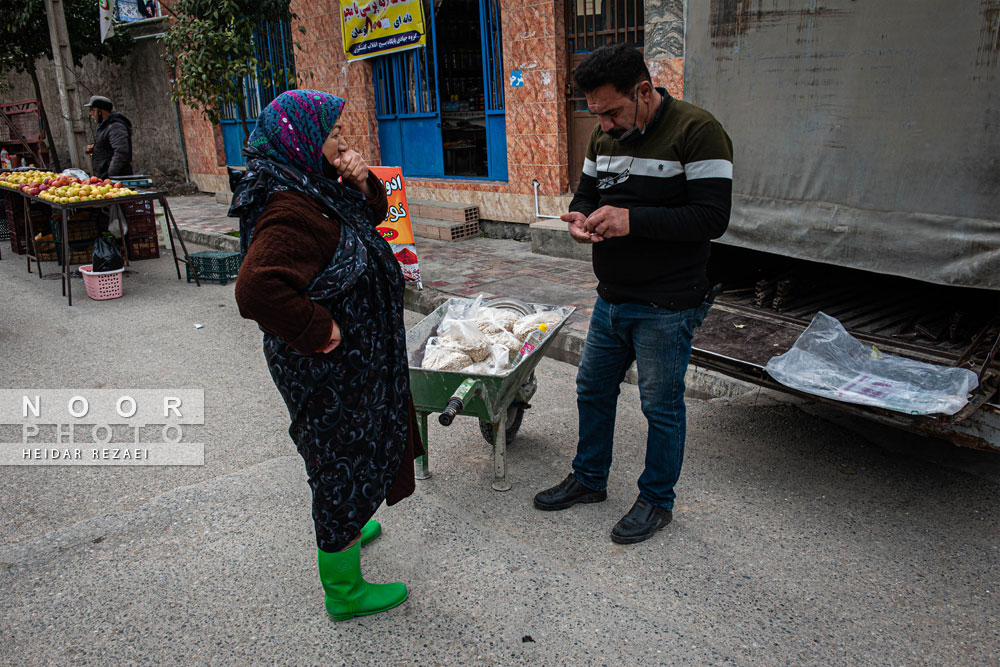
(827, 361)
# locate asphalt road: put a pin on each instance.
(799, 537)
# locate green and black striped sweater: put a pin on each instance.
(679, 195)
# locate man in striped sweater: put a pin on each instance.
(656, 188)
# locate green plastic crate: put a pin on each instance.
(214, 266)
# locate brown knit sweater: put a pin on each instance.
(294, 240)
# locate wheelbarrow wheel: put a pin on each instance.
(515, 414)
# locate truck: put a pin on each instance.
(866, 186)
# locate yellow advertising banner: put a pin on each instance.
(381, 26)
(397, 228)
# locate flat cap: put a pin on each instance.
(100, 102)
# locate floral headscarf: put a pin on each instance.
(292, 128)
(285, 152)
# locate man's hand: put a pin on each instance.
(607, 222)
(89, 150)
(577, 229)
(353, 169)
(334, 339)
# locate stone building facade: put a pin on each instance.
(534, 43)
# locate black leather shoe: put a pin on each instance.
(641, 522)
(567, 493)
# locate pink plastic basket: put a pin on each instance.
(102, 285)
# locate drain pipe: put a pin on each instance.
(537, 185)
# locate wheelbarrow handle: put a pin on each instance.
(455, 405)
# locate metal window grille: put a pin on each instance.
(404, 84)
(594, 23)
(493, 56)
(275, 74)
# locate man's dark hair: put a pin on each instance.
(621, 65)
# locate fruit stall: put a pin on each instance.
(56, 219)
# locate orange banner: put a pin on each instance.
(397, 228)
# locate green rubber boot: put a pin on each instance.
(347, 593)
(370, 531)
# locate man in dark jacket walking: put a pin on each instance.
(111, 152)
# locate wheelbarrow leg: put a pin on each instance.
(500, 454)
(420, 464)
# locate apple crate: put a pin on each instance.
(44, 250)
(143, 246)
(83, 255)
(17, 244)
(14, 207)
(139, 217)
(214, 265)
(79, 229)
(19, 232)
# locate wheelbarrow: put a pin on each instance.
(499, 401)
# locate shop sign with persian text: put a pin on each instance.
(381, 26)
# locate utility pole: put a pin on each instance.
(66, 80)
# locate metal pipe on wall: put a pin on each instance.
(536, 185)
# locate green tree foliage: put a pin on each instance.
(24, 38)
(24, 35)
(210, 48)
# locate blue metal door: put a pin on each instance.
(408, 97)
(493, 84)
(406, 107)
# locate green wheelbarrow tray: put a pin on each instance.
(499, 401)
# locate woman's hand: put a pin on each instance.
(353, 169)
(334, 341)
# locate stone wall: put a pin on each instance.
(140, 89)
(664, 43)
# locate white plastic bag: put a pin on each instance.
(496, 364)
(118, 227)
(464, 335)
(506, 339)
(438, 357)
(827, 361)
(495, 320)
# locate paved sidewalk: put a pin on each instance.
(203, 213)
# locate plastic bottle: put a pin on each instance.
(4, 159)
(533, 340)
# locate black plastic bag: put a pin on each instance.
(106, 255)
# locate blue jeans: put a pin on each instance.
(659, 341)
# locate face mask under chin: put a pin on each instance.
(622, 136)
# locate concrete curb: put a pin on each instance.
(215, 240)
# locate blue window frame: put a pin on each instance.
(276, 74)
(440, 108)
(406, 106)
